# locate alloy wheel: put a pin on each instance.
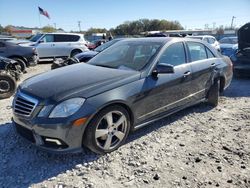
(111, 130)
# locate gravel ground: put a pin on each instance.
(197, 147)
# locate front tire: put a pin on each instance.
(213, 94)
(21, 63)
(7, 86)
(108, 130)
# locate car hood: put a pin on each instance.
(79, 80)
(244, 36)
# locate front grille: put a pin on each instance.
(26, 133)
(24, 105)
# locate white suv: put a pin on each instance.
(50, 45)
(209, 39)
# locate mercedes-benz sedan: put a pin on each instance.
(127, 86)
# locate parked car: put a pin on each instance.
(125, 87)
(24, 55)
(228, 45)
(10, 72)
(94, 44)
(241, 59)
(50, 45)
(209, 39)
(82, 57)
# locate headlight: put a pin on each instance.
(67, 108)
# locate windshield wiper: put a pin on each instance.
(106, 66)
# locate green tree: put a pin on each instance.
(144, 25)
(8, 29)
(1, 28)
(48, 29)
(95, 30)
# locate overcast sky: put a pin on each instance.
(110, 13)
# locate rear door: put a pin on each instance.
(167, 91)
(64, 44)
(203, 64)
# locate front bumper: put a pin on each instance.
(51, 136)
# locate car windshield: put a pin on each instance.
(128, 55)
(35, 37)
(232, 40)
(105, 45)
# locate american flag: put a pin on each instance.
(43, 12)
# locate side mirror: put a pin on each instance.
(163, 69)
(41, 41)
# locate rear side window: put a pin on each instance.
(66, 38)
(211, 40)
(209, 53)
(48, 38)
(174, 55)
(197, 51)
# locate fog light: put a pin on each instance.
(53, 140)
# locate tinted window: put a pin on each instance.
(197, 51)
(225, 41)
(126, 55)
(211, 40)
(174, 55)
(48, 38)
(2, 44)
(66, 38)
(209, 54)
(35, 37)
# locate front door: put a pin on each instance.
(167, 91)
(46, 46)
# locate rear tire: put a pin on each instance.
(7, 86)
(21, 63)
(108, 130)
(213, 94)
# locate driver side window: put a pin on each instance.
(173, 55)
(48, 38)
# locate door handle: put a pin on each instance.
(186, 74)
(213, 65)
(52, 44)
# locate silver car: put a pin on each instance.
(50, 45)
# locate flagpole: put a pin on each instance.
(39, 17)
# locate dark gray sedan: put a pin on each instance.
(24, 55)
(127, 86)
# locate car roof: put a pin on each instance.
(63, 33)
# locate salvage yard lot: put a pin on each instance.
(197, 147)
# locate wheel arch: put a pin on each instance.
(20, 57)
(75, 50)
(112, 103)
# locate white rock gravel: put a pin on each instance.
(197, 147)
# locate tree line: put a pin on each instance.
(139, 26)
(127, 28)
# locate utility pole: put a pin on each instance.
(214, 25)
(55, 25)
(79, 25)
(232, 22)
